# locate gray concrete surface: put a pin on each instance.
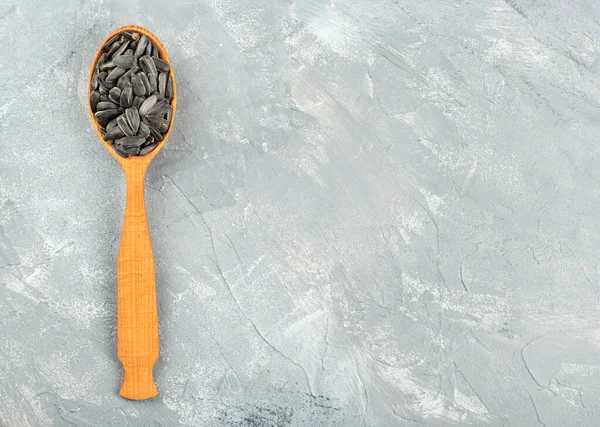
(370, 213)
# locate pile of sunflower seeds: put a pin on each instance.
(131, 94)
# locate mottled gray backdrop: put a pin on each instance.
(369, 213)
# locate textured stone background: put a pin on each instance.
(370, 213)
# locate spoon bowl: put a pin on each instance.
(164, 56)
(137, 317)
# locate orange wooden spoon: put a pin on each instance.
(137, 313)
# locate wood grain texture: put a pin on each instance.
(138, 347)
(137, 310)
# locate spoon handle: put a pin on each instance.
(137, 311)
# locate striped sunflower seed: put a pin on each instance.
(148, 65)
(131, 141)
(138, 86)
(126, 99)
(122, 122)
(144, 130)
(115, 74)
(169, 90)
(94, 99)
(161, 65)
(106, 116)
(113, 49)
(110, 41)
(121, 49)
(94, 82)
(107, 66)
(115, 95)
(153, 83)
(162, 83)
(137, 102)
(120, 152)
(123, 81)
(159, 109)
(133, 119)
(148, 149)
(141, 45)
(106, 106)
(131, 35)
(114, 133)
(145, 81)
(124, 61)
(147, 105)
(111, 124)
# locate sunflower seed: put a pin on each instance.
(137, 102)
(114, 133)
(126, 98)
(133, 150)
(103, 83)
(122, 122)
(120, 152)
(124, 61)
(147, 105)
(101, 76)
(131, 141)
(121, 49)
(94, 81)
(162, 83)
(131, 35)
(169, 90)
(133, 118)
(148, 149)
(101, 61)
(149, 49)
(123, 81)
(169, 115)
(94, 99)
(105, 98)
(115, 74)
(138, 86)
(153, 84)
(144, 130)
(129, 72)
(115, 95)
(102, 90)
(157, 123)
(147, 65)
(158, 96)
(145, 81)
(106, 116)
(141, 46)
(128, 52)
(106, 106)
(107, 66)
(161, 65)
(156, 134)
(154, 52)
(159, 109)
(111, 124)
(110, 41)
(113, 49)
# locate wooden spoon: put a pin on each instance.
(137, 313)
